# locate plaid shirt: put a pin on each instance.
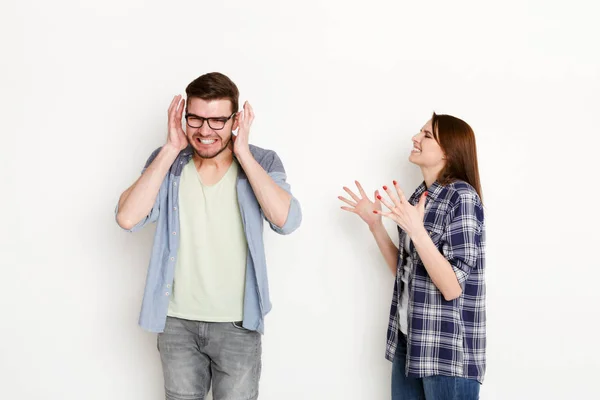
(445, 337)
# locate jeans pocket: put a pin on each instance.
(238, 325)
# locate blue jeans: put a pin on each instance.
(194, 354)
(437, 387)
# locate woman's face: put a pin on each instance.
(426, 152)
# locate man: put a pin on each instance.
(206, 290)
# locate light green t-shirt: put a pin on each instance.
(210, 272)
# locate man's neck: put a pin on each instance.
(220, 162)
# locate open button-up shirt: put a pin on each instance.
(159, 281)
(445, 337)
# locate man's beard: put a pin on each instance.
(209, 156)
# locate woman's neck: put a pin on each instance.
(430, 175)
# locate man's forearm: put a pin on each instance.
(137, 201)
(273, 200)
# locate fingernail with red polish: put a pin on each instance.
(425, 194)
(395, 183)
(385, 188)
(374, 212)
(379, 197)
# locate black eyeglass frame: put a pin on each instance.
(202, 119)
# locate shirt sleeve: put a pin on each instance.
(461, 240)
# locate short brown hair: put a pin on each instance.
(457, 140)
(214, 86)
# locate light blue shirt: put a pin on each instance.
(159, 281)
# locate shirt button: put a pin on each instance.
(174, 233)
(166, 294)
(174, 208)
(174, 183)
(172, 258)
(168, 285)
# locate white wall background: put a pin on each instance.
(338, 88)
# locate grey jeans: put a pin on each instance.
(195, 353)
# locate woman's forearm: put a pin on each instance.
(439, 269)
(386, 246)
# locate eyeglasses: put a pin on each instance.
(216, 124)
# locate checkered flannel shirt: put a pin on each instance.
(445, 337)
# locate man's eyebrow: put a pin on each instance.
(198, 116)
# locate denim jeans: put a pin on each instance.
(437, 387)
(195, 354)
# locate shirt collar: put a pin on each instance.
(432, 192)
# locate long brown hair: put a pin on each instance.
(457, 140)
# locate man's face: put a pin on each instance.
(208, 140)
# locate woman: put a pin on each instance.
(436, 335)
